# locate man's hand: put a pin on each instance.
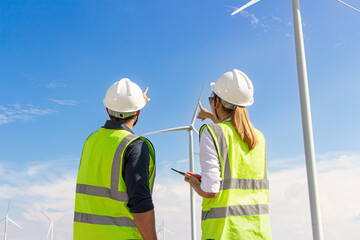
(145, 97)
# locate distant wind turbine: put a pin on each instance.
(190, 129)
(7, 219)
(163, 229)
(51, 227)
(245, 6)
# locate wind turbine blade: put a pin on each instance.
(2, 219)
(168, 130)
(196, 131)
(14, 223)
(348, 5)
(46, 216)
(197, 106)
(7, 211)
(50, 228)
(245, 6)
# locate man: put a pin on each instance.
(116, 174)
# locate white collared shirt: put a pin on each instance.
(210, 164)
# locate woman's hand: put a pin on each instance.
(195, 184)
(204, 114)
(145, 97)
(193, 181)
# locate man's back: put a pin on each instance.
(107, 205)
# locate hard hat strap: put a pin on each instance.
(121, 115)
(227, 104)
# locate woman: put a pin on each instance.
(234, 183)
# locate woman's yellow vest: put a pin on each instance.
(101, 210)
(240, 209)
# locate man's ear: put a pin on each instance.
(137, 113)
(107, 110)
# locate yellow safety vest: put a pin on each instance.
(240, 209)
(101, 210)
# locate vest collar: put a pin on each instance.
(110, 124)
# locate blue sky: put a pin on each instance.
(59, 57)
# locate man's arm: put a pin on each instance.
(136, 176)
(145, 222)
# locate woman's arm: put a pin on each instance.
(210, 169)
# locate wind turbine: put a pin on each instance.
(163, 229)
(190, 129)
(51, 227)
(7, 219)
(306, 119)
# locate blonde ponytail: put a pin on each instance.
(240, 120)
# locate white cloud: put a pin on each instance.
(35, 169)
(275, 18)
(13, 112)
(337, 45)
(41, 186)
(64, 102)
(55, 84)
(289, 203)
(51, 188)
(253, 19)
(232, 8)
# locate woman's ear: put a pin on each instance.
(217, 102)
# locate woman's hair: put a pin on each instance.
(240, 120)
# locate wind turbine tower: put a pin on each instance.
(190, 129)
(7, 219)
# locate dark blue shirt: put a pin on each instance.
(135, 172)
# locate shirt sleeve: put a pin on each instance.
(136, 176)
(210, 164)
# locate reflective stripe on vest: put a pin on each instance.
(102, 192)
(115, 170)
(103, 220)
(241, 210)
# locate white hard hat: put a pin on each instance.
(124, 97)
(234, 87)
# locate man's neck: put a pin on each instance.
(129, 124)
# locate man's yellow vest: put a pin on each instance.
(240, 209)
(101, 210)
